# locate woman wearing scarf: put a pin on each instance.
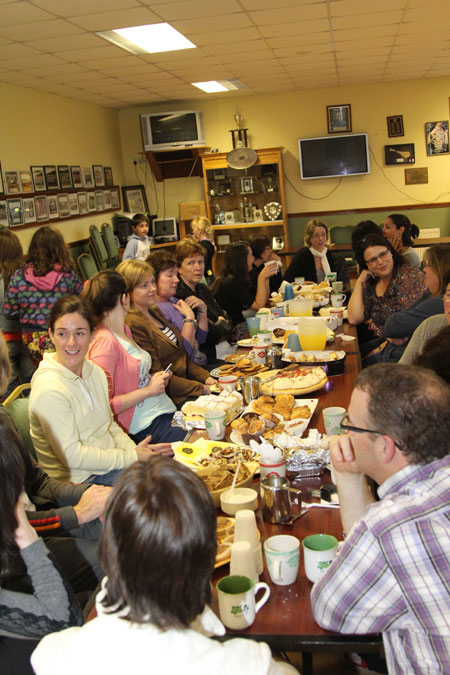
(314, 261)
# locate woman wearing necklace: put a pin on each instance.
(314, 261)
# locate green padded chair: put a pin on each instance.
(110, 244)
(18, 409)
(98, 248)
(87, 266)
(341, 234)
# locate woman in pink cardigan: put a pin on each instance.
(138, 399)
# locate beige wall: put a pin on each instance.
(280, 120)
(40, 128)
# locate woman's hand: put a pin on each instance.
(145, 450)
(395, 240)
(184, 309)
(210, 380)
(364, 276)
(158, 383)
(269, 270)
(24, 533)
(196, 303)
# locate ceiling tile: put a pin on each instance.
(11, 51)
(268, 4)
(296, 28)
(369, 32)
(351, 7)
(39, 29)
(67, 43)
(119, 71)
(231, 47)
(88, 54)
(125, 60)
(211, 24)
(138, 16)
(290, 14)
(192, 9)
(50, 71)
(365, 20)
(17, 13)
(80, 7)
(231, 36)
(35, 61)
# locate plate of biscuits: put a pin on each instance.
(240, 368)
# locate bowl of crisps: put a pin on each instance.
(218, 478)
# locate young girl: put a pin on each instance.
(203, 233)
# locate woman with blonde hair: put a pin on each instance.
(161, 339)
(203, 233)
(314, 260)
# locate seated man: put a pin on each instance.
(393, 571)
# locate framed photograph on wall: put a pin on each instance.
(52, 203)
(63, 205)
(12, 181)
(65, 181)
(29, 211)
(115, 199)
(436, 134)
(99, 176)
(73, 204)
(395, 126)
(15, 212)
(38, 178)
(51, 177)
(3, 213)
(400, 154)
(109, 181)
(26, 181)
(92, 206)
(88, 178)
(77, 181)
(107, 199)
(99, 201)
(339, 118)
(82, 202)
(135, 199)
(41, 208)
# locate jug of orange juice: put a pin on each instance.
(312, 332)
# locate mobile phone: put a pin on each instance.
(169, 367)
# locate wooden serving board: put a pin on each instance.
(267, 389)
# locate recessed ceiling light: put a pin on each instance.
(219, 85)
(150, 39)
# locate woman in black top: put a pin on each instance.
(262, 250)
(234, 290)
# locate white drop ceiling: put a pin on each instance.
(270, 45)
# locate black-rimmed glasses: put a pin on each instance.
(360, 430)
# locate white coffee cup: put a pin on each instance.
(263, 338)
(337, 299)
(263, 320)
(337, 312)
(282, 554)
(337, 286)
(242, 561)
(258, 355)
(237, 606)
(215, 424)
(319, 551)
(332, 418)
(227, 382)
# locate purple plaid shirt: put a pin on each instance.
(393, 572)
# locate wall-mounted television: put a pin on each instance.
(331, 156)
(171, 130)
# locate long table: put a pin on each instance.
(286, 622)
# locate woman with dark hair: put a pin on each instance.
(234, 290)
(262, 252)
(34, 599)
(359, 233)
(399, 230)
(314, 260)
(33, 289)
(152, 332)
(190, 319)
(435, 354)
(71, 423)
(137, 397)
(191, 266)
(386, 285)
(11, 258)
(158, 549)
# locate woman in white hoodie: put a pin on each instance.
(71, 423)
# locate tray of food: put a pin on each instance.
(194, 411)
(219, 477)
(240, 368)
(203, 453)
(300, 381)
(333, 360)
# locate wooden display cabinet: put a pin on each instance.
(235, 198)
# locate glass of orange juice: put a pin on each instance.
(300, 307)
(312, 332)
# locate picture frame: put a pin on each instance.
(29, 210)
(3, 213)
(99, 201)
(92, 206)
(12, 182)
(416, 176)
(41, 205)
(65, 180)
(77, 180)
(38, 175)
(109, 181)
(107, 199)
(2, 187)
(82, 202)
(399, 154)
(436, 137)
(395, 126)
(52, 204)
(15, 212)
(88, 178)
(73, 204)
(135, 199)
(99, 176)
(26, 180)
(339, 118)
(63, 205)
(51, 177)
(115, 199)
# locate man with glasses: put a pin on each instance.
(393, 571)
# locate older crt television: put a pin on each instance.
(172, 130)
(164, 230)
(334, 156)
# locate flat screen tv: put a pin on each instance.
(164, 230)
(172, 130)
(331, 156)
